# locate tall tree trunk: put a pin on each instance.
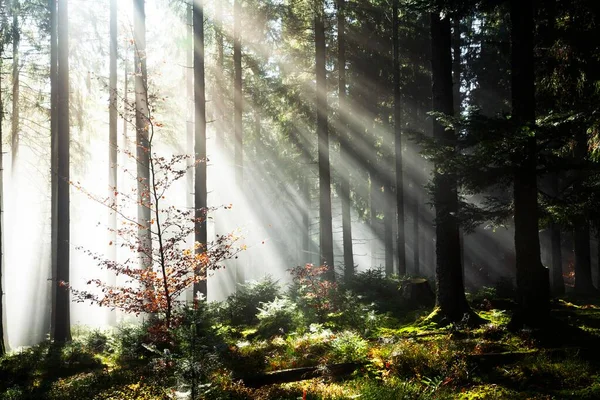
(400, 238)
(237, 95)
(142, 125)
(583, 259)
(220, 87)
(125, 93)
(61, 329)
(200, 192)
(450, 297)
(581, 233)
(189, 82)
(52, 4)
(15, 120)
(2, 312)
(532, 277)
(343, 126)
(456, 72)
(238, 111)
(112, 148)
(416, 221)
(325, 222)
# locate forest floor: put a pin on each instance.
(415, 361)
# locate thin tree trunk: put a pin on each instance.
(450, 297)
(400, 238)
(238, 111)
(532, 277)
(416, 231)
(220, 104)
(126, 93)
(61, 331)
(112, 149)
(581, 233)
(345, 158)
(325, 222)
(15, 120)
(200, 193)
(583, 259)
(142, 125)
(237, 95)
(52, 4)
(2, 311)
(189, 74)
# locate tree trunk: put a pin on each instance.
(15, 120)
(2, 312)
(456, 72)
(557, 281)
(112, 149)
(142, 125)
(219, 103)
(200, 192)
(189, 127)
(583, 259)
(400, 238)
(325, 222)
(52, 4)
(237, 95)
(345, 158)
(416, 221)
(450, 297)
(61, 329)
(532, 277)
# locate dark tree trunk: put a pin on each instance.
(581, 233)
(456, 72)
(52, 4)
(345, 157)
(142, 124)
(450, 297)
(61, 325)
(557, 280)
(237, 95)
(15, 119)
(325, 222)
(220, 87)
(2, 313)
(189, 127)
(532, 277)
(112, 148)
(416, 231)
(583, 259)
(400, 237)
(200, 193)
(389, 213)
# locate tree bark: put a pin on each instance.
(112, 148)
(325, 222)
(200, 192)
(61, 329)
(450, 296)
(219, 103)
(583, 259)
(532, 277)
(52, 4)
(237, 95)
(142, 125)
(2, 312)
(400, 237)
(345, 157)
(15, 120)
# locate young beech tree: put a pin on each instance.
(174, 267)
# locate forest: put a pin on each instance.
(299, 199)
